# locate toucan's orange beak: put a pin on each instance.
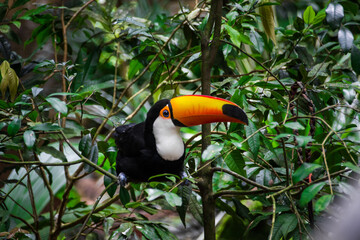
(191, 110)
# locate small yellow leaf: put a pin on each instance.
(267, 18)
(13, 83)
(5, 65)
(9, 80)
(4, 80)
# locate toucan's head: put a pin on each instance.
(166, 117)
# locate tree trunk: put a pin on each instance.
(208, 57)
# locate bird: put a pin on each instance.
(155, 146)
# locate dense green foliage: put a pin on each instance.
(295, 77)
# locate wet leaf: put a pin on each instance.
(334, 15)
(346, 39)
(211, 152)
(57, 104)
(29, 138)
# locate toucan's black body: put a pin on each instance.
(138, 160)
(155, 146)
(137, 157)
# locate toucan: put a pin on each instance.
(155, 147)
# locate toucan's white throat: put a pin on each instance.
(169, 143)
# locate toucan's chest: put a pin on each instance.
(168, 141)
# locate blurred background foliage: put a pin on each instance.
(71, 71)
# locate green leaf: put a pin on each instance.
(184, 192)
(85, 145)
(211, 152)
(35, 91)
(94, 153)
(322, 203)
(148, 231)
(156, 76)
(107, 181)
(29, 138)
(346, 39)
(320, 16)
(153, 193)
(57, 104)
(310, 192)
(303, 140)
(108, 223)
(294, 125)
(46, 127)
(235, 162)
(237, 37)
(53, 152)
(172, 198)
(284, 224)
(303, 171)
(299, 24)
(309, 15)
(257, 41)
(124, 195)
(196, 209)
(19, 3)
(14, 127)
(355, 59)
(351, 166)
(254, 140)
(334, 15)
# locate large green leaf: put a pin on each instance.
(235, 162)
(184, 192)
(284, 224)
(303, 171)
(310, 192)
(322, 203)
(253, 138)
(156, 76)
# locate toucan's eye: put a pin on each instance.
(165, 112)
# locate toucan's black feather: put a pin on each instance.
(137, 157)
